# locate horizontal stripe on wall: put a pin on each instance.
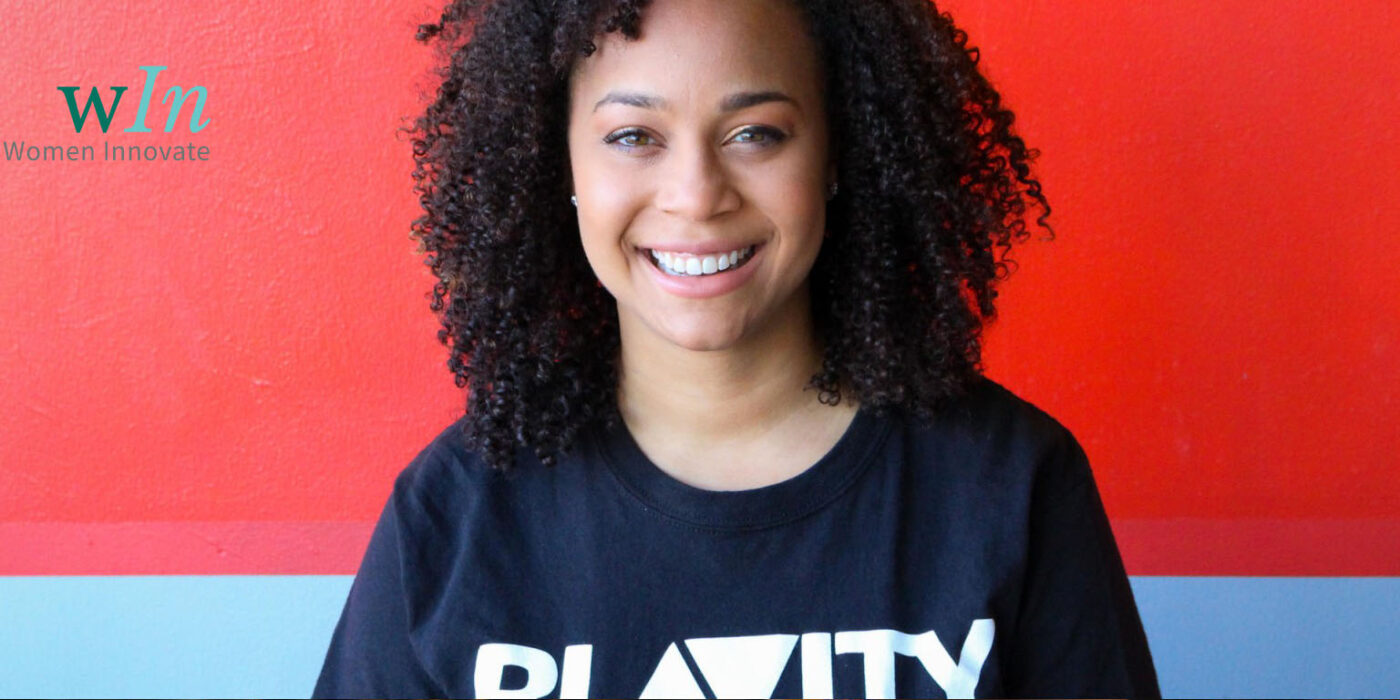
(265, 636)
(1259, 547)
(166, 636)
(1165, 547)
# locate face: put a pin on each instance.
(699, 159)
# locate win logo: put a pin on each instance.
(105, 114)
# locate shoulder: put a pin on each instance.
(443, 468)
(989, 414)
(1004, 438)
(447, 490)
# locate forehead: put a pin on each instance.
(690, 48)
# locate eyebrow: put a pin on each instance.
(743, 100)
(731, 103)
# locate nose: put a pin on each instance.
(695, 185)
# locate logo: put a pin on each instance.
(104, 116)
(747, 666)
(95, 108)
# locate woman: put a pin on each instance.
(714, 272)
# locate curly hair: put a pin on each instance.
(934, 188)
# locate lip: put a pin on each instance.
(706, 286)
(698, 248)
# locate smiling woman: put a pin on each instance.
(713, 273)
(709, 137)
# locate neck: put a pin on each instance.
(718, 395)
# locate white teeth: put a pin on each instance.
(681, 264)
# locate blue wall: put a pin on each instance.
(249, 636)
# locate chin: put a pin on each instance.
(703, 337)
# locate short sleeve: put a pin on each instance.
(1078, 632)
(370, 654)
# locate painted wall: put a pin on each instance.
(217, 367)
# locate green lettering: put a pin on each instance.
(104, 117)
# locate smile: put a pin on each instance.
(688, 265)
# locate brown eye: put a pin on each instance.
(759, 135)
(630, 138)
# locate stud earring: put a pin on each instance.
(574, 199)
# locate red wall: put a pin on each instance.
(244, 343)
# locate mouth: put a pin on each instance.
(689, 265)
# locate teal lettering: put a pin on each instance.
(139, 126)
(104, 117)
(179, 101)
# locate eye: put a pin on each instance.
(630, 138)
(762, 136)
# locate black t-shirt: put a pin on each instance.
(969, 558)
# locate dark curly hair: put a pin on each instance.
(934, 188)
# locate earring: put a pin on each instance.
(831, 191)
(574, 199)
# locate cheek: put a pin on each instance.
(793, 191)
(609, 197)
(607, 214)
(797, 206)
(599, 240)
(610, 203)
